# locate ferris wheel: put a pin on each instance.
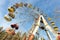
(26, 13)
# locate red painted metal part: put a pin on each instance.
(31, 37)
(58, 37)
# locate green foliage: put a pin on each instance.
(17, 36)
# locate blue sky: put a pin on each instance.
(47, 6)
